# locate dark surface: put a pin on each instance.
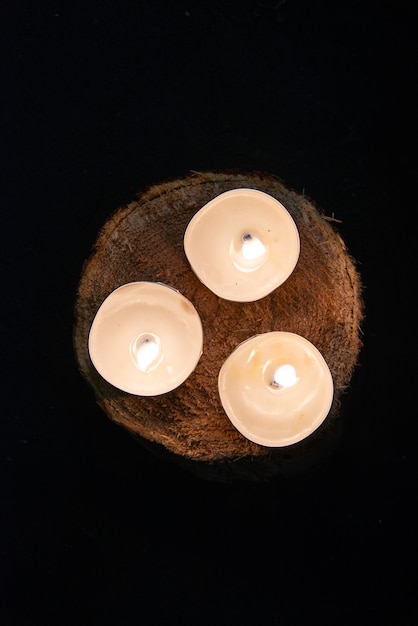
(98, 101)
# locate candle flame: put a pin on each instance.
(146, 351)
(252, 247)
(284, 376)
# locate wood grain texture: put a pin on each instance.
(321, 300)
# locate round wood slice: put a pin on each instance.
(321, 300)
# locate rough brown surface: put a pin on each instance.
(321, 300)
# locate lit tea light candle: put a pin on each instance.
(276, 388)
(242, 244)
(146, 338)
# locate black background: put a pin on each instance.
(100, 100)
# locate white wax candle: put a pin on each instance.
(242, 244)
(276, 388)
(146, 338)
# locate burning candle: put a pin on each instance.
(242, 244)
(276, 388)
(146, 338)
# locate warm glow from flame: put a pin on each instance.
(252, 247)
(284, 376)
(146, 350)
